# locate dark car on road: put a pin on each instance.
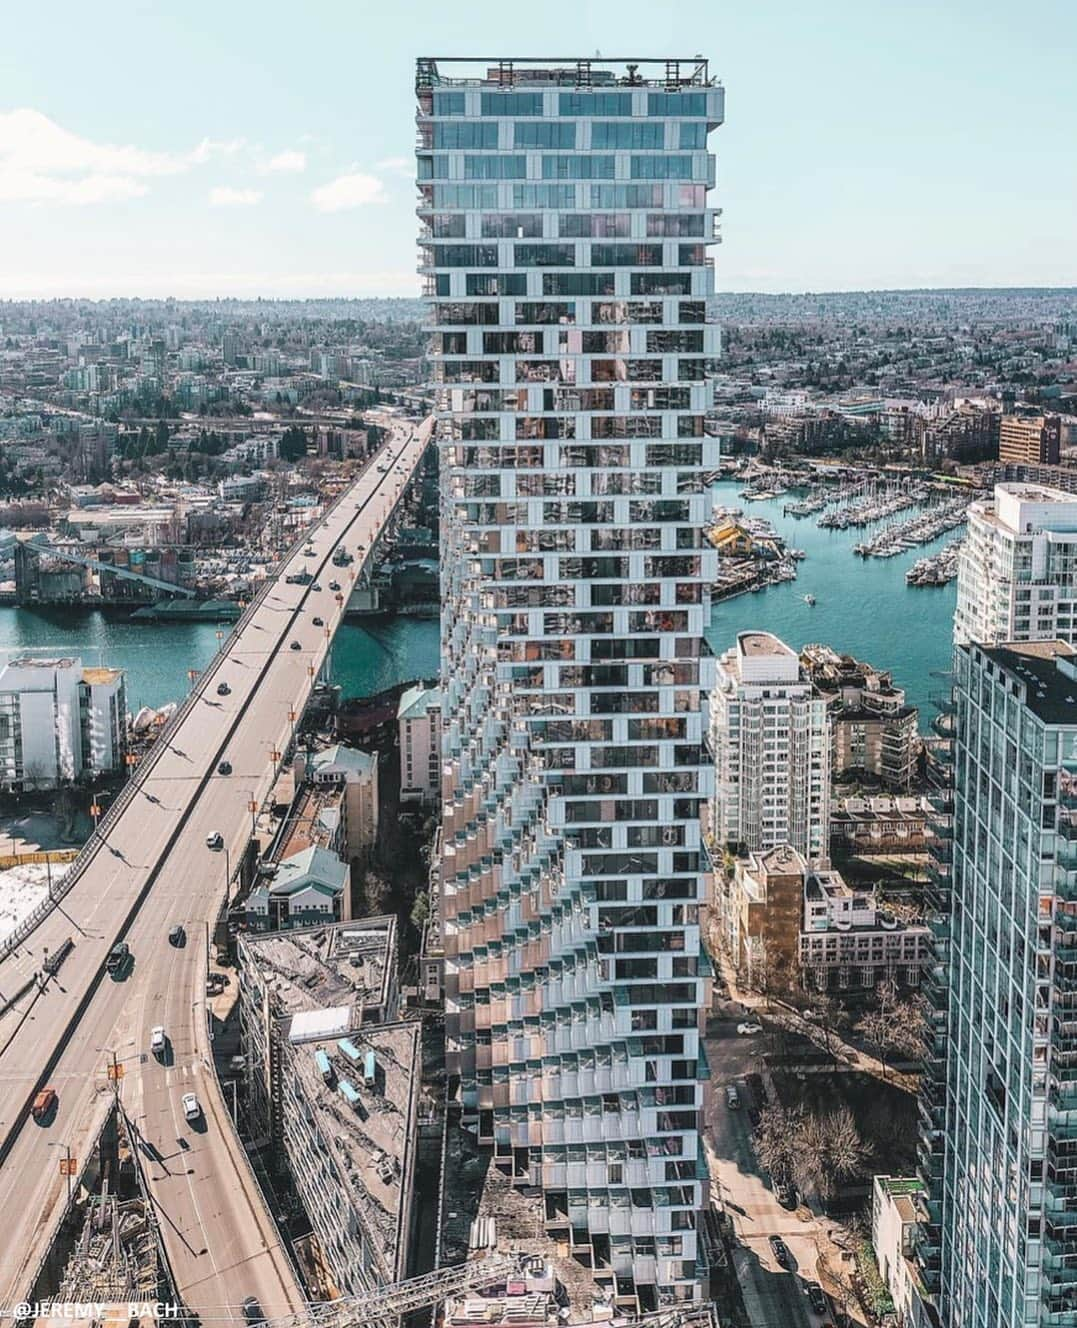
(318, 622)
(177, 936)
(225, 768)
(295, 646)
(252, 1312)
(817, 1298)
(223, 689)
(780, 1251)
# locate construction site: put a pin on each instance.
(107, 1251)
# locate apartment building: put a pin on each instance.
(333, 1080)
(771, 744)
(872, 731)
(59, 722)
(564, 223)
(1032, 439)
(418, 720)
(760, 904)
(847, 940)
(1017, 572)
(999, 1149)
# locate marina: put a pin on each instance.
(937, 570)
(926, 526)
(864, 607)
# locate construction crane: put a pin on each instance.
(384, 1306)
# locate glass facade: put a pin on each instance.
(1003, 1230)
(575, 587)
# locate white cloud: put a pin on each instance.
(287, 161)
(224, 196)
(21, 186)
(349, 191)
(40, 161)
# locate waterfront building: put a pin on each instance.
(872, 731)
(565, 220)
(770, 740)
(1017, 571)
(333, 1086)
(1032, 439)
(58, 722)
(999, 1150)
(418, 720)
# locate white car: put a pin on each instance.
(748, 1028)
(157, 1040)
(732, 1097)
(191, 1109)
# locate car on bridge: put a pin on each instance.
(295, 646)
(334, 585)
(119, 960)
(225, 768)
(318, 622)
(215, 841)
(157, 1040)
(223, 689)
(316, 586)
(45, 1104)
(192, 1108)
(177, 936)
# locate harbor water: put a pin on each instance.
(157, 656)
(863, 607)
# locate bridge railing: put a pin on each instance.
(89, 850)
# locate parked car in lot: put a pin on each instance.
(749, 1027)
(732, 1097)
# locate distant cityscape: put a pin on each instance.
(664, 959)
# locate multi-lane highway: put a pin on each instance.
(152, 871)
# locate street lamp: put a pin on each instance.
(68, 1165)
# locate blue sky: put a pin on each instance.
(258, 147)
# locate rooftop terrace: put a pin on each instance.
(349, 964)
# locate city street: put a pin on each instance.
(773, 1297)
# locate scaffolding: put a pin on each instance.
(115, 1257)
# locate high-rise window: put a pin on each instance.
(575, 595)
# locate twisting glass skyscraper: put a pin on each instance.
(564, 225)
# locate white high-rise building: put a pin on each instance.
(1017, 573)
(771, 745)
(565, 221)
(58, 722)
